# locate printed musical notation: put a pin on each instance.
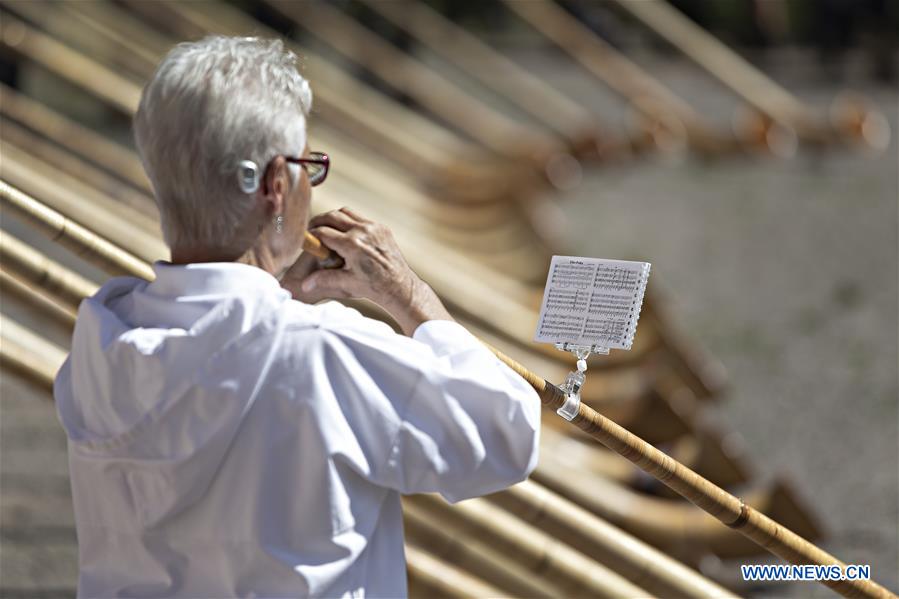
(572, 275)
(589, 301)
(615, 277)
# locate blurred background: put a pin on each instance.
(746, 148)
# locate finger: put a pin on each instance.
(334, 239)
(354, 215)
(334, 219)
(305, 264)
(323, 284)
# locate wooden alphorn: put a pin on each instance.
(728, 509)
(852, 119)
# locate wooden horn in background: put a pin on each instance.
(850, 119)
(670, 121)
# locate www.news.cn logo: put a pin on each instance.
(805, 572)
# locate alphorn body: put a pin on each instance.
(11, 285)
(490, 127)
(450, 163)
(29, 354)
(422, 145)
(671, 120)
(432, 577)
(850, 120)
(728, 509)
(500, 74)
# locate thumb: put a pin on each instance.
(325, 284)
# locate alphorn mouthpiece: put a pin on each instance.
(327, 257)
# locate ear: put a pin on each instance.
(275, 185)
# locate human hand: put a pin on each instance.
(374, 268)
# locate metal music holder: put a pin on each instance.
(575, 379)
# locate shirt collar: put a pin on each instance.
(204, 278)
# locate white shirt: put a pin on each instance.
(226, 440)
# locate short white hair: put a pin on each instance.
(210, 105)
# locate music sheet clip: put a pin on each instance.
(590, 306)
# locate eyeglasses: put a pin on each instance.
(316, 166)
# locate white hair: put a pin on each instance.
(210, 105)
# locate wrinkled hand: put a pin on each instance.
(374, 269)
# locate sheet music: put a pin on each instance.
(590, 301)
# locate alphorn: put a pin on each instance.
(569, 571)
(338, 96)
(751, 84)
(73, 236)
(118, 161)
(440, 579)
(727, 508)
(475, 554)
(490, 127)
(29, 264)
(495, 71)
(83, 203)
(451, 165)
(670, 117)
(12, 285)
(71, 291)
(29, 354)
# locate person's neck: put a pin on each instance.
(260, 257)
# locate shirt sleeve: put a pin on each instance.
(437, 412)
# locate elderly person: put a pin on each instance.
(229, 435)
